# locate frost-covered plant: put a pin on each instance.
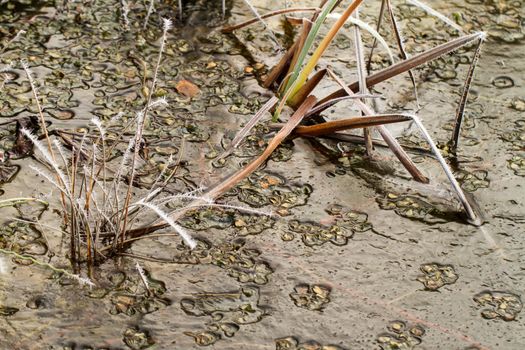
(100, 202)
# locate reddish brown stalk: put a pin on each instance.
(357, 139)
(319, 108)
(234, 27)
(403, 66)
(231, 181)
(287, 129)
(348, 124)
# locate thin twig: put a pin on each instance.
(454, 141)
(148, 14)
(234, 27)
(401, 47)
(374, 43)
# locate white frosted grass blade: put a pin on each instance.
(48, 177)
(207, 203)
(164, 216)
(260, 19)
(251, 123)
(96, 121)
(47, 155)
(142, 275)
(435, 13)
(365, 26)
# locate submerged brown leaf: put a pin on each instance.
(187, 88)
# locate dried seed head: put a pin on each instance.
(96, 121)
(84, 281)
(168, 24)
(161, 101)
(482, 35)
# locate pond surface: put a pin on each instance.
(357, 255)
